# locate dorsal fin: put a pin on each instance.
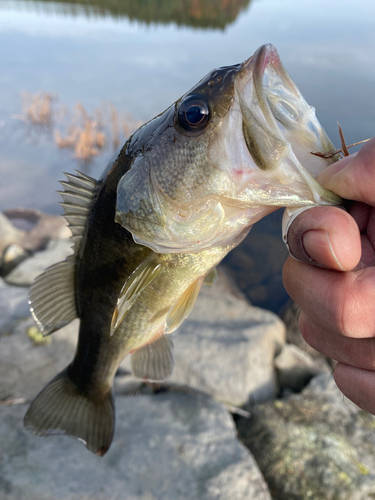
(52, 295)
(77, 199)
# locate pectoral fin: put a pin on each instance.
(134, 286)
(210, 278)
(154, 361)
(184, 305)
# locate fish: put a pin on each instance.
(182, 192)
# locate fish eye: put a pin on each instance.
(193, 113)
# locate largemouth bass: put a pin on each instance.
(183, 191)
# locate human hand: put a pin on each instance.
(333, 280)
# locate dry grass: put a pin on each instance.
(87, 135)
(84, 135)
(37, 108)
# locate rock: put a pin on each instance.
(26, 367)
(15, 244)
(226, 348)
(43, 227)
(314, 445)
(9, 234)
(12, 257)
(29, 269)
(166, 447)
(295, 368)
(13, 306)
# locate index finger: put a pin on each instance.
(354, 177)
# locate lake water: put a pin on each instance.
(142, 59)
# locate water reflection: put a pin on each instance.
(213, 14)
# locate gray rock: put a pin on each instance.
(13, 306)
(8, 234)
(26, 367)
(29, 269)
(315, 445)
(226, 348)
(172, 446)
(295, 368)
(12, 257)
(42, 227)
(166, 447)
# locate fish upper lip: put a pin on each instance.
(267, 55)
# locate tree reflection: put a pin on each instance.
(214, 14)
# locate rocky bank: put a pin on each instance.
(297, 437)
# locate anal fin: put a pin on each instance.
(155, 360)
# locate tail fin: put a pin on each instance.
(61, 408)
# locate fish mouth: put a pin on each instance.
(280, 130)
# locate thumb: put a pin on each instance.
(353, 177)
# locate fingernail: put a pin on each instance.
(317, 246)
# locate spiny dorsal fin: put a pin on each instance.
(134, 286)
(52, 295)
(155, 360)
(77, 200)
(182, 308)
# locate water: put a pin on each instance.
(141, 61)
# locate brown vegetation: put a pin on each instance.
(37, 108)
(86, 135)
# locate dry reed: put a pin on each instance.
(87, 135)
(37, 108)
